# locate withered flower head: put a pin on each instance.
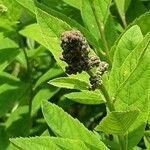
(75, 54)
(75, 51)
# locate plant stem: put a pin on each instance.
(111, 107)
(29, 73)
(100, 27)
(109, 103)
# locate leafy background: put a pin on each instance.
(31, 74)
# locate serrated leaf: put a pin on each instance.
(131, 89)
(45, 143)
(51, 33)
(118, 122)
(63, 125)
(90, 38)
(69, 83)
(29, 5)
(86, 97)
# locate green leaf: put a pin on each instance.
(144, 22)
(135, 9)
(86, 97)
(33, 31)
(51, 33)
(8, 51)
(74, 3)
(91, 39)
(125, 45)
(129, 84)
(147, 142)
(67, 127)
(7, 43)
(69, 83)
(18, 119)
(12, 90)
(43, 95)
(102, 10)
(45, 143)
(28, 4)
(3, 138)
(51, 73)
(122, 6)
(118, 122)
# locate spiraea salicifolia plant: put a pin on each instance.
(67, 59)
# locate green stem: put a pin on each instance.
(109, 102)
(100, 27)
(122, 139)
(29, 73)
(111, 107)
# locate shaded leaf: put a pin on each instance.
(51, 73)
(12, 90)
(74, 3)
(18, 119)
(43, 95)
(118, 122)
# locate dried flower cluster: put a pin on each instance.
(76, 55)
(75, 52)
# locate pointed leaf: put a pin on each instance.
(131, 89)
(45, 143)
(69, 83)
(126, 44)
(86, 97)
(63, 125)
(51, 29)
(118, 122)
